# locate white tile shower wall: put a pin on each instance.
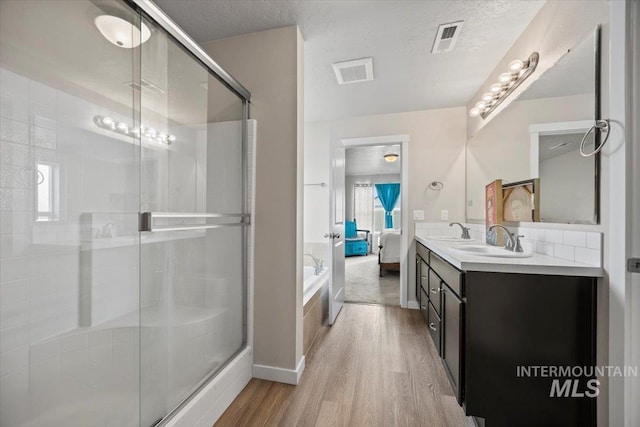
(580, 246)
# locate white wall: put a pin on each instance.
(436, 152)
(269, 64)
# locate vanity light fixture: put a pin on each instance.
(391, 157)
(121, 32)
(519, 70)
(123, 129)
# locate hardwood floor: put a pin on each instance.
(375, 367)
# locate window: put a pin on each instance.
(378, 214)
(46, 192)
(363, 205)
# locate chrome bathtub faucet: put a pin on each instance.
(318, 264)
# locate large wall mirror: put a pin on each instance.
(536, 139)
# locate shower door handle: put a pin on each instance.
(146, 221)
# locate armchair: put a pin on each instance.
(356, 241)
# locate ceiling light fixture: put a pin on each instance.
(507, 82)
(120, 32)
(391, 157)
(123, 129)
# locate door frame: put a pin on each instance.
(403, 141)
(623, 238)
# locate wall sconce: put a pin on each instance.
(123, 129)
(507, 82)
(391, 157)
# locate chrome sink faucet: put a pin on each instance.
(317, 264)
(465, 230)
(513, 244)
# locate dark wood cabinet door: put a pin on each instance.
(452, 338)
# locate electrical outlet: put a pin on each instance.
(444, 215)
(470, 203)
(418, 215)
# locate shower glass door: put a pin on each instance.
(192, 252)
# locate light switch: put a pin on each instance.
(444, 215)
(418, 215)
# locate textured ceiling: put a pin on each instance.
(370, 160)
(397, 34)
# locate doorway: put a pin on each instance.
(362, 184)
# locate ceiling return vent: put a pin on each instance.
(355, 71)
(446, 37)
(146, 86)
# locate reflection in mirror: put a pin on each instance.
(566, 178)
(538, 136)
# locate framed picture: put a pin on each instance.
(521, 201)
(493, 211)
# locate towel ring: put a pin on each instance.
(603, 126)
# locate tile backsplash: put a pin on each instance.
(584, 247)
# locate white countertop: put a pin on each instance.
(536, 264)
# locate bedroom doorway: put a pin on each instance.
(375, 213)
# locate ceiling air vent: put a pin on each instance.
(446, 37)
(146, 86)
(358, 70)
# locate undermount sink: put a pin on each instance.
(490, 251)
(449, 238)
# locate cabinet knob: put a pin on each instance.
(433, 328)
(424, 307)
(433, 291)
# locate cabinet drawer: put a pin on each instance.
(424, 305)
(449, 274)
(434, 291)
(434, 323)
(422, 251)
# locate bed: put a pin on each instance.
(389, 251)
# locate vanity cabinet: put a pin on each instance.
(486, 325)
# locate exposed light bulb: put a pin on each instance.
(481, 105)
(496, 88)
(474, 112)
(516, 65)
(505, 78)
(488, 97)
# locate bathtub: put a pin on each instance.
(312, 282)
(315, 305)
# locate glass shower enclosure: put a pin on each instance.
(123, 215)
